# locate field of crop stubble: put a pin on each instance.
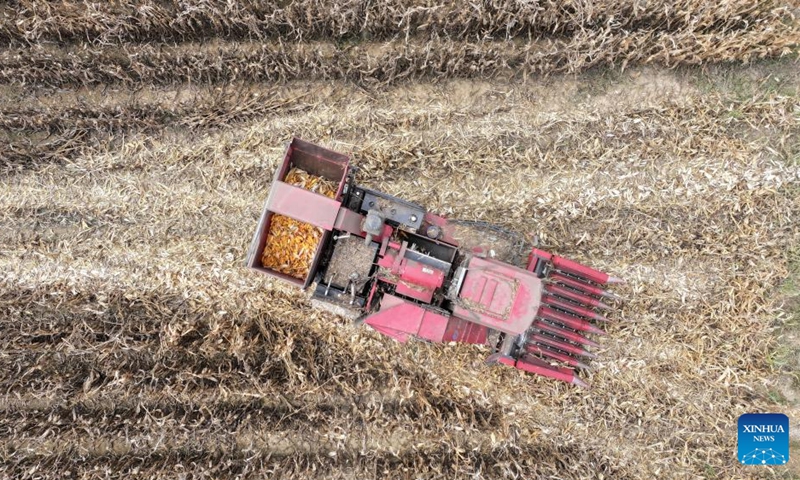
(657, 141)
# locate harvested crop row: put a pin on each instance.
(144, 20)
(439, 143)
(174, 414)
(39, 135)
(258, 403)
(363, 454)
(384, 63)
(93, 349)
(203, 110)
(30, 151)
(152, 398)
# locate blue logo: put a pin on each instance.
(763, 439)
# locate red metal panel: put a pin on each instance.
(572, 307)
(539, 367)
(580, 270)
(535, 256)
(387, 260)
(575, 296)
(433, 326)
(419, 293)
(416, 280)
(460, 330)
(498, 296)
(400, 319)
(397, 318)
(574, 268)
(421, 274)
(303, 205)
(505, 360)
(401, 337)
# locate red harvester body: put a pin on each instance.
(407, 272)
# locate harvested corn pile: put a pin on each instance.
(314, 183)
(291, 244)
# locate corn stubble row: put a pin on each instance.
(386, 63)
(291, 244)
(168, 43)
(105, 23)
(203, 110)
(53, 133)
(243, 407)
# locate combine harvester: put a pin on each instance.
(407, 272)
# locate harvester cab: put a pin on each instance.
(407, 272)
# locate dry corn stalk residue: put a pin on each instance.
(291, 244)
(138, 144)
